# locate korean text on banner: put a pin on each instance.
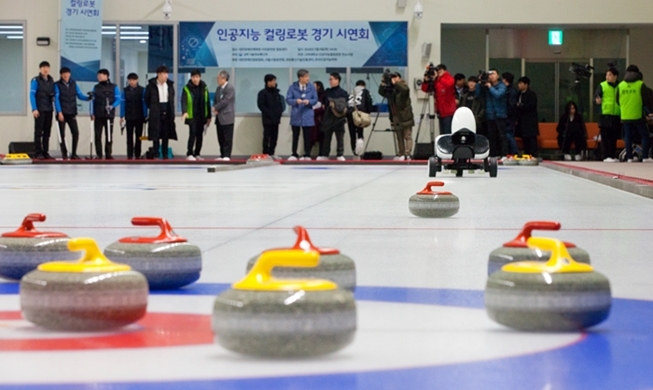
(81, 37)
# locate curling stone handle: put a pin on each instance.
(92, 253)
(259, 156)
(528, 228)
(261, 272)
(166, 230)
(559, 254)
(28, 222)
(431, 184)
(303, 240)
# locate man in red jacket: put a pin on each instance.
(444, 95)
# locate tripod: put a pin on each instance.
(431, 119)
(376, 119)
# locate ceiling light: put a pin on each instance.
(14, 37)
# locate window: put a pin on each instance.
(107, 61)
(12, 69)
(249, 81)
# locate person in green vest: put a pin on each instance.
(610, 123)
(633, 97)
(196, 112)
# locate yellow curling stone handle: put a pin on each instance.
(260, 276)
(559, 262)
(93, 260)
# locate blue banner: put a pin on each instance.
(293, 44)
(81, 37)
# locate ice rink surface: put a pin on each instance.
(420, 304)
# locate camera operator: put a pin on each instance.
(496, 106)
(610, 124)
(440, 81)
(401, 112)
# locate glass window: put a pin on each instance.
(248, 83)
(12, 82)
(107, 61)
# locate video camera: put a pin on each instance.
(387, 79)
(483, 77)
(581, 71)
(430, 71)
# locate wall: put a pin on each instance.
(42, 21)
(12, 75)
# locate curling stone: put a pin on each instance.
(528, 160)
(429, 204)
(167, 261)
(264, 316)
(91, 294)
(510, 160)
(558, 295)
(211, 169)
(23, 250)
(15, 159)
(518, 250)
(333, 265)
(261, 159)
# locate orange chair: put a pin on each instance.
(548, 138)
(592, 131)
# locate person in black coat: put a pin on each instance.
(572, 130)
(331, 123)
(527, 120)
(362, 100)
(272, 105)
(160, 101)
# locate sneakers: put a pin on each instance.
(341, 158)
(304, 158)
(630, 160)
(610, 160)
(360, 146)
(567, 157)
(226, 159)
(322, 158)
(578, 157)
(399, 158)
(191, 158)
(408, 158)
(647, 160)
(292, 158)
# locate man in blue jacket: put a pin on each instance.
(103, 111)
(41, 97)
(301, 97)
(66, 93)
(496, 108)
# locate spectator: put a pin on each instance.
(527, 117)
(496, 106)
(461, 87)
(196, 112)
(317, 137)
(66, 93)
(633, 98)
(571, 130)
(272, 105)
(160, 101)
(610, 123)
(301, 96)
(362, 100)
(225, 114)
(445, 97)
(511, 99)
(335, 118)
(475, 103)
(103, 111)
(133, 112)
(41, 98)
(401, 114)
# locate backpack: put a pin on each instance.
(339, 107)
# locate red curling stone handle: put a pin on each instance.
(259, 156)
(27, 229)
(167, 235)
(304, 243)
(428, 190)
(521, 240)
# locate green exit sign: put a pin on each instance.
(555, 37)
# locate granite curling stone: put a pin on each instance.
(92, 294)
(518, 250)
(268, 317)
(430, 204)
(554, 296)
(510, 160)
(333, 266)
(261, 159)
(167, 261)
(528, 160)
(23, 250)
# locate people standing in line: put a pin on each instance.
(527, 117)
(196, 112)
(475, 103)
(634, 100)
(572, 131)
(610, 122)
(106, 98)
(335, 117)
(401, 114)
(301, 97)
(494, 93)
(360, 99)
(511, 100)
(133, 113)
(225, 114)
(444, 95)
(272, 105)
(160, 101)
(66, 93)
(41, 98)
(461, 87)
(317, 137)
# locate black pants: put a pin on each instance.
(355, 133)
(71, 120)
(530, 145)
(164, 132)
(195, 138)
(106, 125)
(339, 130)
(577, 138)
(225, 139)
(42, 128)
(609, 136)
(306, 133)
(496, 129)
(270, 136)
(134, 133)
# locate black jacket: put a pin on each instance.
(526, 108)
(272, 105)
(330, 120)
(571, 128)
(152, 103)
(133, 103)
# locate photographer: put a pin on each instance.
(439, 81)
(401, 112)
(496, 106)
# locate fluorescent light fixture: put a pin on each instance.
(16, 27)
(143, 41)
(122, 27)
(10, 32)
(133, 38)
(134, 33)
(14, 37)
